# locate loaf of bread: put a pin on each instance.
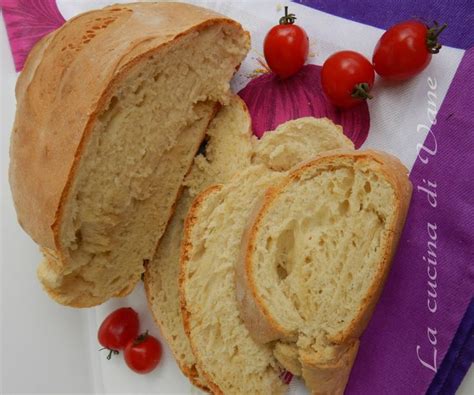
(315, 256)
(228, 150)
(111, 109)
(226, 355)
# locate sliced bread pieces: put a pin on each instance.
(228, 150)
(229, 359)
(111, 109)
(314, 259)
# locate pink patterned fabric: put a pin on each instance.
(27, 21)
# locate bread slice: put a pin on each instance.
(227, 356)
(315, 257)
(111, 109)
(228, 149)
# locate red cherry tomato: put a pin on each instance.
(405, 49)
(286, 47)
(143, 354)
(118, 328)
(347, 78)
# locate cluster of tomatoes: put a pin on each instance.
(347, 77)
(119, 331)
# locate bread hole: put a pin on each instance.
(285, 246)
(347, 181)
(113, 103)
(282, 273)
(156, 77)
(138, 89)
(297, 304)
(344, 207)
(307, 259)
(78, 236)
(115, 280)
(116, 9)
(86, 41)
(202, 147)
(367, 187)
(199, 253)
(95, 27)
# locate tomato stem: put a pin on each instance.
(111, 352)
(361, 91)
(140, 339)
(432, 37)
(288, 19)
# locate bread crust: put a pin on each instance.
(43, 163)
(189, 370)
(256, 316)
(69, 79)
(329, 377)
(186, 247)
(262, 327)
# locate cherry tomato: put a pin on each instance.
(118, 329)
(286, 47)
(347, 78)
(143, 354)
(405, 49)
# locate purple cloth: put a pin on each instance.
(458, 359)
(432, 278)
(458, 14)
(27, 21)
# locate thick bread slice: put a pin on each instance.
(228, 149)
(315, 256)
(225, 352)
(111, 109)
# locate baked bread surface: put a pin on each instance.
(314, 259)
(111, 109)
(230, 360)
(228, 150)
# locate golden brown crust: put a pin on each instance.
(186, 247)
(252, 307)
(57, 109)
(189, 370)
(259, 322)
(68, 80)
(393, 169)
(325, 377)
